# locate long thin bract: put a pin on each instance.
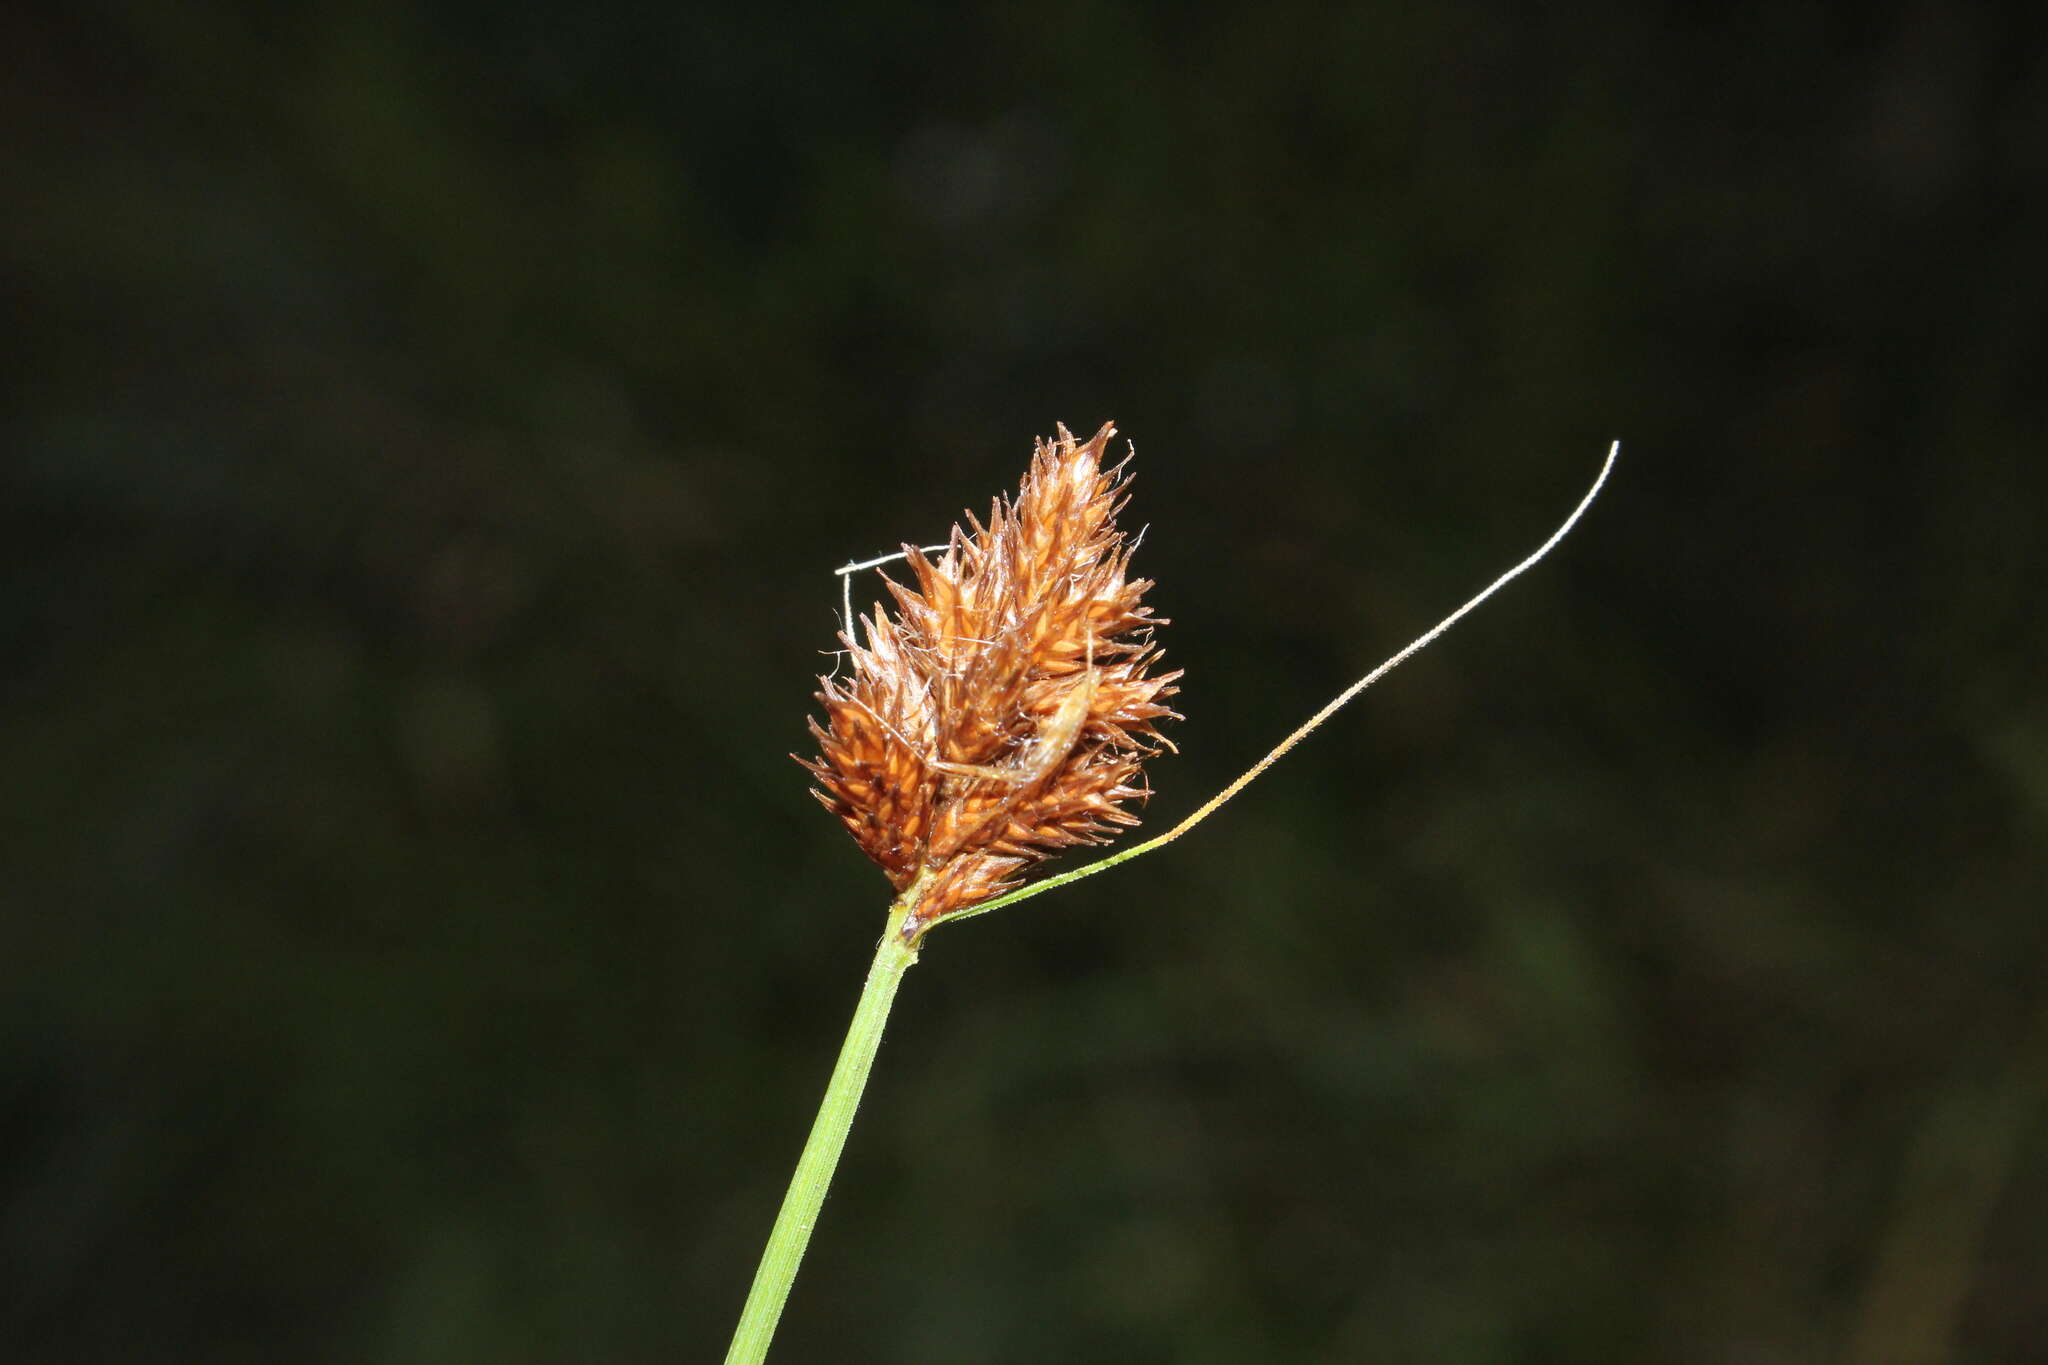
(1336, 704)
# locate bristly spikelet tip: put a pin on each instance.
(1006, 708)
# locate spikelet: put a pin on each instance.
(1005, 711)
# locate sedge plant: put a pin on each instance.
(1003, 713)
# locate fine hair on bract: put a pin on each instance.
(1006, 710)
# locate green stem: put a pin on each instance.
(792, 1232)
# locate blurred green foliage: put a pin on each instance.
(429, 434)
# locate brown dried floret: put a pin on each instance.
(1005, 710)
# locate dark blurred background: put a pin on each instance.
(429, 434)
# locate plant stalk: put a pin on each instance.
(800, 1207)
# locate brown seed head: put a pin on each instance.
(1004, 712)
